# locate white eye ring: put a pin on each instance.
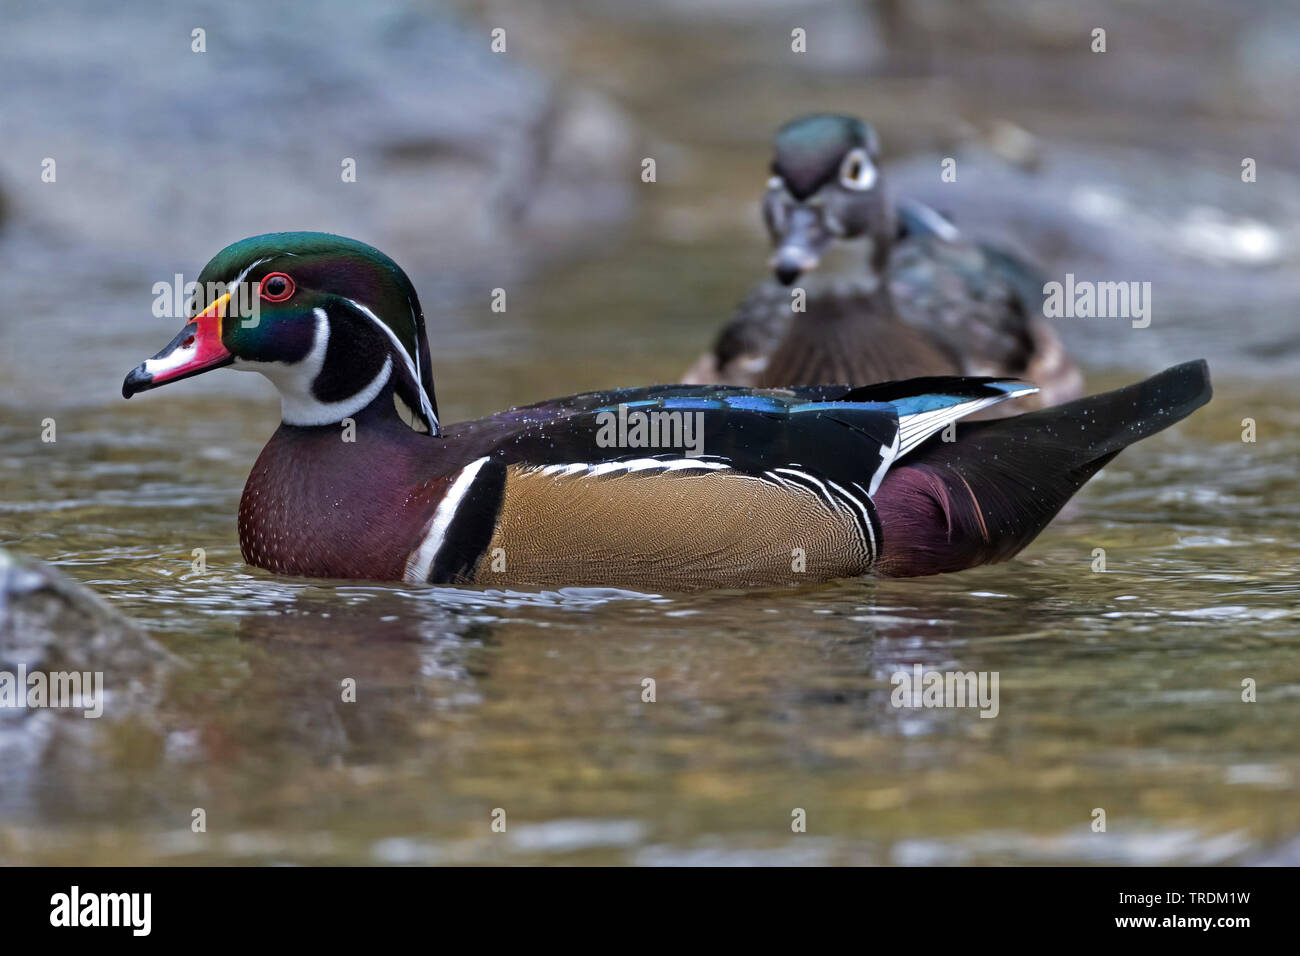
(857, 171)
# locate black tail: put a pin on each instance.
(983, 497)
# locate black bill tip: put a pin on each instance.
(137, 380)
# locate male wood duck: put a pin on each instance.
(744, 486)
(923, 301)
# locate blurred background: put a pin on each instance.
(521, 170)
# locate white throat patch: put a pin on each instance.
(298, 406)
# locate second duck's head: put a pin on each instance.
(334, 323)
(826, 186)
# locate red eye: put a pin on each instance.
(275, 287)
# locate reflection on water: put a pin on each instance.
(1118, 690)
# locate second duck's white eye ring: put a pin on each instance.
(858, 171)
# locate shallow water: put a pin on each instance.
(1118, 690)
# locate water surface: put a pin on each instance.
(1119, 690)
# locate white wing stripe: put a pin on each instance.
(916, 428)
(887, 456)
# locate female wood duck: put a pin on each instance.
(667, 487)
(925, 301)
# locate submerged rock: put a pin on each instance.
(75, 675)
(49, 619)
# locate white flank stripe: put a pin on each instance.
(862, 510)
(825, 492)
(870, 529)
(588, 470)
(642, 464)
(421, 559)
(564, 469)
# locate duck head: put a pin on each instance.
(826, 186)
(334, 323)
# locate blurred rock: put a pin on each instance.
(1210, 245)
(49, 624)
(451, 141)
(1016, 145)
(471, 167)
(1105, 206)
(1267, 57)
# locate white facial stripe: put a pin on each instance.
(231, 287)
(244, 275)
(421, 559)
(298, 406)
(426, 407)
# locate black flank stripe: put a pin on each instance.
(879, 536)
(864, 515)
(471, 526)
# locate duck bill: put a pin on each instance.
(802, 244)
(196, 349)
